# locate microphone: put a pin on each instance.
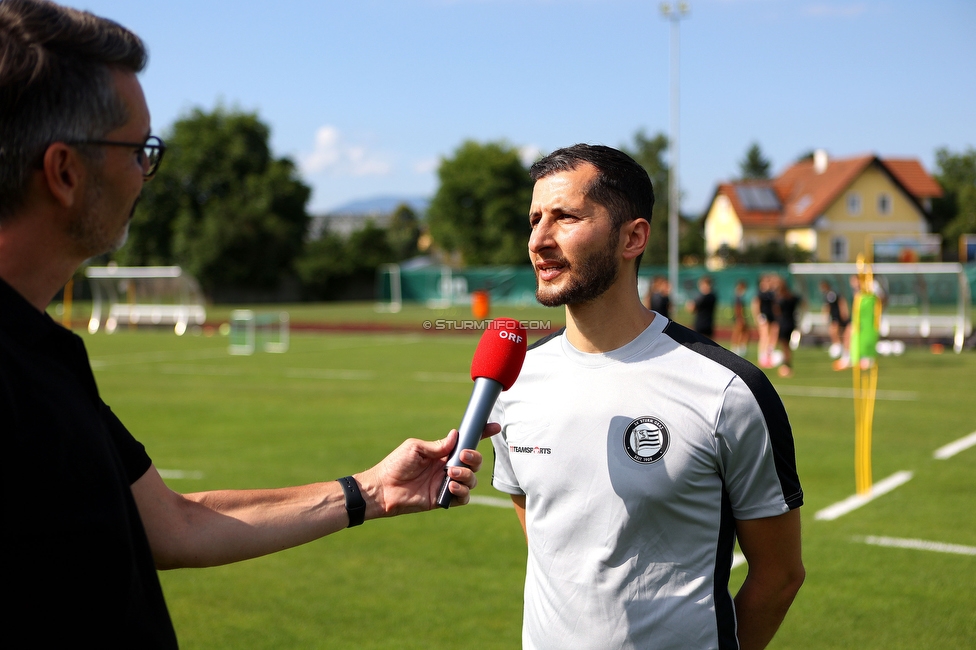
(495, 367)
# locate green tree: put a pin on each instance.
(403, 232)
(323, 267)
(691, 241)
(481, 206)
(770, 252)
(649, 153)
(221, 205)
(954, 214)
(754, 166)
(336, 268)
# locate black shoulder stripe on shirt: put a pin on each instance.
(777, 422)
(546, 339)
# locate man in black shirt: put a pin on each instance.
(88, 518)
(659, 296)
(703, 307)
(75, 547)
(835, 306)
(787, 304)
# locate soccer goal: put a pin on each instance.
(144, 295)
(389, 284)
(441, 287)
(251, 331)
(921, 301)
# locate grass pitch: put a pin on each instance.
(335, 404)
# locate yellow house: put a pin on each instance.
(834, 208)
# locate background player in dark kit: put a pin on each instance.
(764, 313)
(703, 307)
(835, 307)
(787, 303)
(659, 296)
(740, 321)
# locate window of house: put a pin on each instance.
(838, 249)
(802, 204)
(884, 203)
(854, 203)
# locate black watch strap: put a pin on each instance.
(355, 504)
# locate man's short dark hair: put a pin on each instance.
(56, 84)
(621, 185)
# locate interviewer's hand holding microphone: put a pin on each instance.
(418, 474)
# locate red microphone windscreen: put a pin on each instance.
(501, 352)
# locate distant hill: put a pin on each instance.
(381, 205)
(352, 216)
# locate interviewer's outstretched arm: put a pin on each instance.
(223, 526)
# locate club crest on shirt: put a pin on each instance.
(646, 440)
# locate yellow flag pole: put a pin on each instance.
(865, 323)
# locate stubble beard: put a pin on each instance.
(91, 229)
(589, 278)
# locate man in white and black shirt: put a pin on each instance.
(636, 451)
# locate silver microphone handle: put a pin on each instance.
(483, 397)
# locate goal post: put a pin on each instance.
(389, 285)
(442, 286)
(144, 295)
(251, 331)
(924, 300)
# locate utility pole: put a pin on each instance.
(674, 12)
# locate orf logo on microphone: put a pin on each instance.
(646, 440)
(510, 336)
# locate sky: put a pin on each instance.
(368, 96)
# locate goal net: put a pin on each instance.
(921, 301)
(144, 295)
(251, 331)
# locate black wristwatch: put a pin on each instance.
(355, 503)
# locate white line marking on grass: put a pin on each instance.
(216, 371)
(179, 473)
(953, 448)
(917, 544)
(368, 341)
(448, 377)
(494, 502)
(152, 357)
(326, 373)
(854, 502)
(845, 393)
(738, 559)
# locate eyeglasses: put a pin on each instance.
(150, 154)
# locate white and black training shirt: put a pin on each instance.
(635, 464)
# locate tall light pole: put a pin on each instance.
(673, 12)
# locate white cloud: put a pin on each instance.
(529, 154)
(334, 155)
(426, 166)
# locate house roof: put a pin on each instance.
(747, 213)
(804, 194)
(807, 194)
(913, 177)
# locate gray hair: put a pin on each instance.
(56, 85)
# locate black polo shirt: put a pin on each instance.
(76, 563)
